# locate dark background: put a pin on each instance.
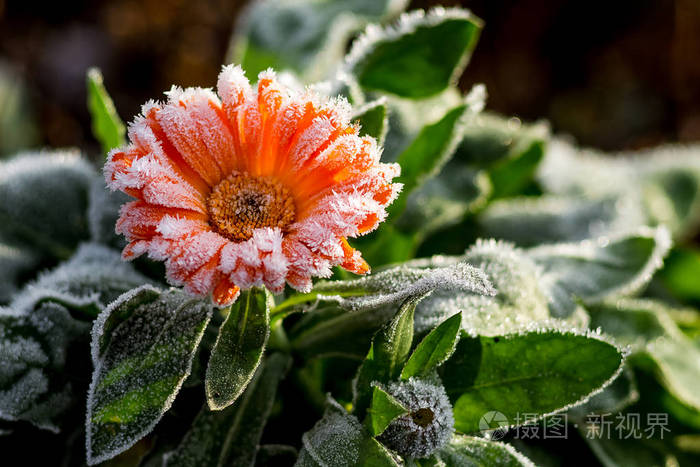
(616, 74)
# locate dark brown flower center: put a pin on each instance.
(242, 203)
(422, 417)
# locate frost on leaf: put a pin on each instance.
(427, 426)
(15, 263)
(43, 201)
(34, 384)
(340, 439)
(655, 339)
(409, 59)
(548, 219)
(518, 301)
(537, 372)
(90, 280)
(306, 36)
(143, 345)
(593, 270)
(397, 284)
(651, 187)
(231, 436)
(470, 450)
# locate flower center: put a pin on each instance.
(423, 417)
(242, 203)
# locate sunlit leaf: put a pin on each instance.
(239, 348)
(143, 345)
(535, 373)
(411, 59)
(107, 127)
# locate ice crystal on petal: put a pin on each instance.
(291, 149)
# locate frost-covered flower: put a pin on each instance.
(429, 423)
(259, 188)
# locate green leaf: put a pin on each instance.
(107, 127)
(373, 119)
(18, 122)
(239, 348)
(620, 452)
(411, 59)
(656, 342)
(392, 286)
(94, 277)
(594, 270)
(142, 350)
(434, 349)
(36, 380)
(16, 263)
(306, 36)
(529, 221)
(620, 394)
(338, 439)
(331, 332)
(680, 272)
(383, 410)
(507, 149)
(443, 201)
(44, 189)
(387, 355)
(535, 373)
(519, 300)
(231, 436)
(652, 187)
(472, 451)
(429, 151)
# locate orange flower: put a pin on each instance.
(260, 188)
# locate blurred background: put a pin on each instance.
(614, 74)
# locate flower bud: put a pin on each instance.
(427, 426)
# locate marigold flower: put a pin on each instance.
(260, 188)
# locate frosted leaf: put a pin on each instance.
(296, 34)
(395, 285)
(468, 451)
(90, 280)
(34, 384)
(16, 262)
(620, 394)
(103, 212)
(379, 57)
(550, 219)
(646, 326)
(595, 269)
(339, 439)
(238, 349)
(519, 300)
(652, 187)
(143, 345)
(540, 371)
(44, 197)
(427, 426)
(231, 436)
(445, 199)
